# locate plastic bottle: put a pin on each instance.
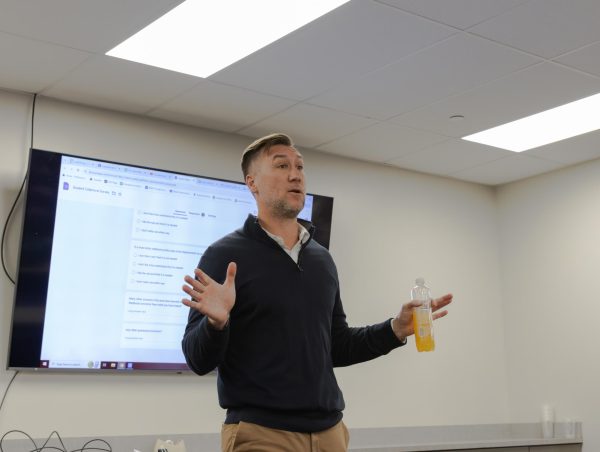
(422, 319)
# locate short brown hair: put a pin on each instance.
(262, 144)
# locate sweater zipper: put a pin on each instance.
(274, 243)
(300, 255)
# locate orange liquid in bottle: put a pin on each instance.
(423, 325)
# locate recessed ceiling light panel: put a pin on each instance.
(201, 37)
(556, 124)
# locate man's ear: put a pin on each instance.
(250, 183)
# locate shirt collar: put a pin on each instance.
(303, 236)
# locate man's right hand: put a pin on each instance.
(210, 298)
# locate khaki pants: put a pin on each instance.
(247, 437)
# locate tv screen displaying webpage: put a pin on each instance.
(103, 253)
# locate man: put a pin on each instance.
(265, 309)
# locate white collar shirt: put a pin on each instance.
(294, 252)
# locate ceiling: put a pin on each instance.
(375, 80)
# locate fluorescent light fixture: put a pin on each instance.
(559, 123)
(201, 37)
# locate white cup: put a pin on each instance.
(547, 421)
(569, 428)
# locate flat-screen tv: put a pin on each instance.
(103, 253)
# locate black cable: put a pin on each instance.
(36, 448)
(64, 449)
(6, 223)
(15, 431)
(85, 446)
(32, 119)
(7, 388)
(6, 226)
(45, 446)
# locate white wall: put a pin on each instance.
(389, 226)
(550, 259)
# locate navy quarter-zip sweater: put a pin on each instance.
(286, 333)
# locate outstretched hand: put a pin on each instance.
(402, 324)
(210, 298)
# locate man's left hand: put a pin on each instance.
(402, 324)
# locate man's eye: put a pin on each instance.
(282, 165)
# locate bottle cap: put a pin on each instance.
(420, 281)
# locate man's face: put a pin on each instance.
(276, 179)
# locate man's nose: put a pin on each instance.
(295, 174)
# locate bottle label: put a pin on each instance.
(424, 330)
(422, 319)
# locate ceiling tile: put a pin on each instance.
(505, 170)
(449, 157)
(457, 64)
(457, 13)
(381, 142)
(220, 107)
(573, 150)
(515, 96)
(352, 40)
(308, 125)
(29, 65)
(586, 59)
(94, 26)
(545, 27)
(120, 85)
